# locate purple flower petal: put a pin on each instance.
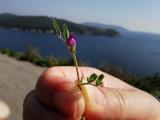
(72, 40)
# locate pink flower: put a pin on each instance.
(72, 40)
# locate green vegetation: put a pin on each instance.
(32, 55)
(44, 24)
(150, 84)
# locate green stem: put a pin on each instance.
(88, 84)
(78, 77)
(76, 65)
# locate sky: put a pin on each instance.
(136, 15)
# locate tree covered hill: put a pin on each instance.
(105, 26)
(44, 24)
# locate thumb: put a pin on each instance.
(117, 104)
(60, 93)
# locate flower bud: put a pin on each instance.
(72, 41)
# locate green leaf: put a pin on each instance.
(98, 82)
(92, 78)
(65, 32)
(56, 27)
(100, 77)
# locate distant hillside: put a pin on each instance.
(44, 24)
(104, 26)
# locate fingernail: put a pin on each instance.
(52, 72)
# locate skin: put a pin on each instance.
(4, 110)
(57, 98)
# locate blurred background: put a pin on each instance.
(121, 38)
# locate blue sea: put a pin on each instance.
(136, 53)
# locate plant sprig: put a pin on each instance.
(94, 80)
(71, 42)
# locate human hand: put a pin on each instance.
(57, 98)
